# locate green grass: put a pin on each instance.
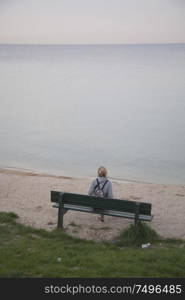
(137, 235)
(28, 252)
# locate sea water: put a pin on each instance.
(67, 109)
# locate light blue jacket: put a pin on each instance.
(107, 190)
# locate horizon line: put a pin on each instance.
(90, 44)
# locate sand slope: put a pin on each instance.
(28, 195)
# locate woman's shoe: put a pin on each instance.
(101, 218)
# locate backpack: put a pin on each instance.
(98, 191)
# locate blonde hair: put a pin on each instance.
(102, 172)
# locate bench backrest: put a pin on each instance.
(104, 203)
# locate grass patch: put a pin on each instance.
(29, 252)
(137, 235)
(8, 218)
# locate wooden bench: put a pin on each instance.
(110, 207)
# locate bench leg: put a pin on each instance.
(60, 215)
(136, 221)
(137, 214)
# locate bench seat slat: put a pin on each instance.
(113, 213)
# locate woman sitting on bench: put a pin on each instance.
(101, 187)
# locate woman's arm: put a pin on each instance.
(109, 190)
(91, 189)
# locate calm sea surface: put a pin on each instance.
(68, 109)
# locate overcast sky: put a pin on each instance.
(92, 21)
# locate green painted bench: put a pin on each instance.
(139, 211)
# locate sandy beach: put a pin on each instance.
(28, 195)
